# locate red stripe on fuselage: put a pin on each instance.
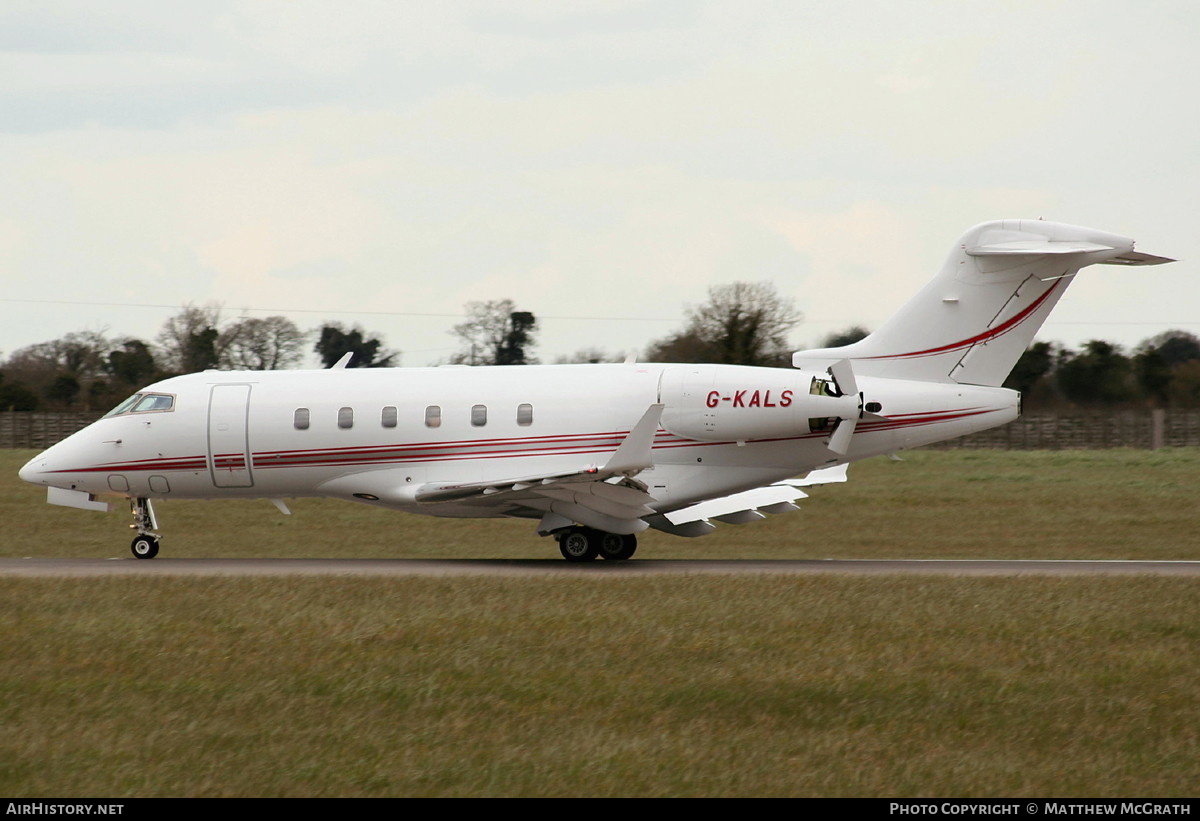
(461, 450)
(986, 336)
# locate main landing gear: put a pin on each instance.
(583, 544)
(145, 544)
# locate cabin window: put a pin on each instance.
(300, 419)
(388, 418)
(479, 415)
(433, 416)
(525, 414)
(345, 417)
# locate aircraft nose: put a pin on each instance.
(34, 469)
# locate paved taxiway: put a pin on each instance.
(541, 567)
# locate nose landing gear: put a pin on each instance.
(145, 544)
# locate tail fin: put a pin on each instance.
(973, 320)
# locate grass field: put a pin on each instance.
(1118, 504)
(625, 686)
(694, 686)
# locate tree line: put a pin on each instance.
(90, 370)
(1161, 371)
(743, 323)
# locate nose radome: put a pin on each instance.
(33, 469)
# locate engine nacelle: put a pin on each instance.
(734, 403)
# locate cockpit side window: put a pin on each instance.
(124, 406)
(144, 403)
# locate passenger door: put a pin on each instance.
(228, 436)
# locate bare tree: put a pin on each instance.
(266, 344)
(66, 372)
(744, 323)
(80, 353)
(188, 341)
(495, 334)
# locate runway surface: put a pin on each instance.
(32, 567)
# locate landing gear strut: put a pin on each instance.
(583, 544)
(145, 544)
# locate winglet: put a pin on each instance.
(344, 362)
(634, 454)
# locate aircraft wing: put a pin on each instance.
(606, 498)
(613, 505)
(747, 506)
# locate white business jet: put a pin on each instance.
(594, 454)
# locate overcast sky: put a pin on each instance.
(600, 163)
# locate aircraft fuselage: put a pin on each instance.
(377, 435)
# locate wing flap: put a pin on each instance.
(732, 509)
(823, 476)
(582, 495)
(747, 506)
(691, 530)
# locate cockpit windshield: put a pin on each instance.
(144, 403)
(154, 402)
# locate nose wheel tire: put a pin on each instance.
(144, 547)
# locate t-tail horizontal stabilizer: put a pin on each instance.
(975, 318)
